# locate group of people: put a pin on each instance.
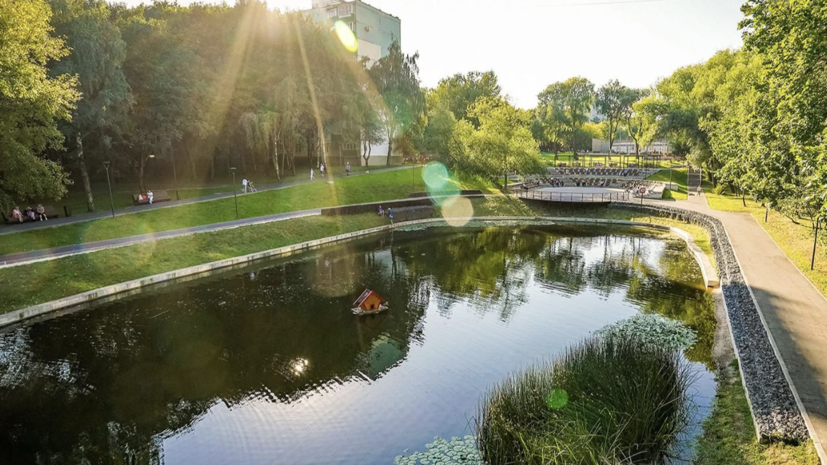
(323, 170)
(381, 212)
(33, 214)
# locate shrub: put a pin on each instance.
(605, 401)
(651, 329)
(719, 189)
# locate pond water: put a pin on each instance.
(267, 365)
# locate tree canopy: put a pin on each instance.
(32, 102)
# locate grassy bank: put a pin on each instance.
(729, 435)
(679, 177)
(360, 189)
(568, 157)
(796, 240)
(186, 189)
(27, 285)
(606, 400)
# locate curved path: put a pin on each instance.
(795, 311)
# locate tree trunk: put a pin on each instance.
(141, 186)
(212, 167)
(84, 173)
(189, 158)
(390, 149)
(743, 198)
(276, 154)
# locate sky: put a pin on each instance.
(533, 43)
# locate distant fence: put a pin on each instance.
(574, 197)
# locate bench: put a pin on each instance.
(157, 196)
(49, 211)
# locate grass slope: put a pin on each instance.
(796, 240)
(679, 177)
(27, 285)
(729, 435)
(360, 189)
(187, 188)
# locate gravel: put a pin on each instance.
(774, 408)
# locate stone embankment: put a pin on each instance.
(775, 411)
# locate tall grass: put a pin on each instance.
(605, 401)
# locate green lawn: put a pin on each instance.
(359, 189)
(586, 159)
(27, 285)
(186, 189)
(678, 176)
(729, 435)
(796, 240)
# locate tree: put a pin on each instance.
(97, 52)
(458, 92)
(396, 79)
(162, 73)
(31, 103)
(641, 119)
(567, 105)
(551, 115)
(790, 38)
(503, 141)
(613, 100)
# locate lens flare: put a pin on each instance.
(346, 36)
(557, 399)
(435, 175)
(457, 211)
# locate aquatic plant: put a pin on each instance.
(457, 451)
(651, 329)
(607, 400)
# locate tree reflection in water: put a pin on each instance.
(108, 385)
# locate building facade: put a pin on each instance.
(374, 29)
(628, 147)
(375, 32)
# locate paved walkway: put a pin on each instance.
(794, 310)
(33, 256)
(106, 213)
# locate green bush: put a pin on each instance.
(605, 401)
(719, 189)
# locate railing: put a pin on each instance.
(581, 197)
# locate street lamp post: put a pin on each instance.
(815, 242)
(109, 183)
(235, 196)
(175, 174)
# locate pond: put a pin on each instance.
(267, 365)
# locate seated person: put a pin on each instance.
(30, 213)
(41, 213)
(380, 212)
(150, 196)
(16, 215)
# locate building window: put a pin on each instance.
(345, 10)
(331, 13)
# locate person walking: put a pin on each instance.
(312, 174)
(390, 214)
(244, 184)
(347, 169)
(321, 169)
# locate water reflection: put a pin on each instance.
(267, 365)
